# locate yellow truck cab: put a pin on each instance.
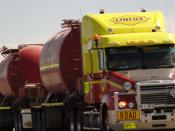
(128, 64)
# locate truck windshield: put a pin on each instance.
(128, 58)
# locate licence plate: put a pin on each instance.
(128, 115)
(129, 125)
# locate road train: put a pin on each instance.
(104, 73)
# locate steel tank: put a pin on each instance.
(20, 66)
(60, 61)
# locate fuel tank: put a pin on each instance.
(60, 61)
(20, 66)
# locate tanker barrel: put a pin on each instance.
(60, 61)
(18, 67)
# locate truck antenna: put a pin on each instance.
(81, 14)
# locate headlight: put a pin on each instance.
(127, 86)
(122, 104)
(172, 92)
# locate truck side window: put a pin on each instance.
(173, 54)
(102, 60)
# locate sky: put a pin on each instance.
(35, 21)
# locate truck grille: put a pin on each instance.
(157, 94)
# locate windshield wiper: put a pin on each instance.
(166, 66)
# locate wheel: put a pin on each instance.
(36, 119)
(27, 129)
(69, 119)
(79, 119)
(55, 129)
(43, 126)
(6, 129)
(72, 120)
(104, 117)
(18, 121)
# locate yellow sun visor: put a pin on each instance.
(136, 39)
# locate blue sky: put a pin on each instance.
(34, 21)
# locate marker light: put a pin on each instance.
(96, 37)
(122, 104)
(127, 86)
(131, 105)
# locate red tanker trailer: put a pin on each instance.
(18, 71)
(61, 71)
(60, 62)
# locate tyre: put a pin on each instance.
(69, 119)
(104, 118)
(79, 119)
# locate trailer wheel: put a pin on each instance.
(79, 119)
(18, 120)
(6, 129)
(69, 119)
(72, 120)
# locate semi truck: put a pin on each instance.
(111, 71)
(128, 65)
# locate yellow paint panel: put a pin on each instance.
(118, 23)
(95, 59)
(5, 108)
(86, 87)
(126, 115)
(87, 63)
(114, 84)
(94, 82)
(52, 104)
(130, 125)
(45, 67)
